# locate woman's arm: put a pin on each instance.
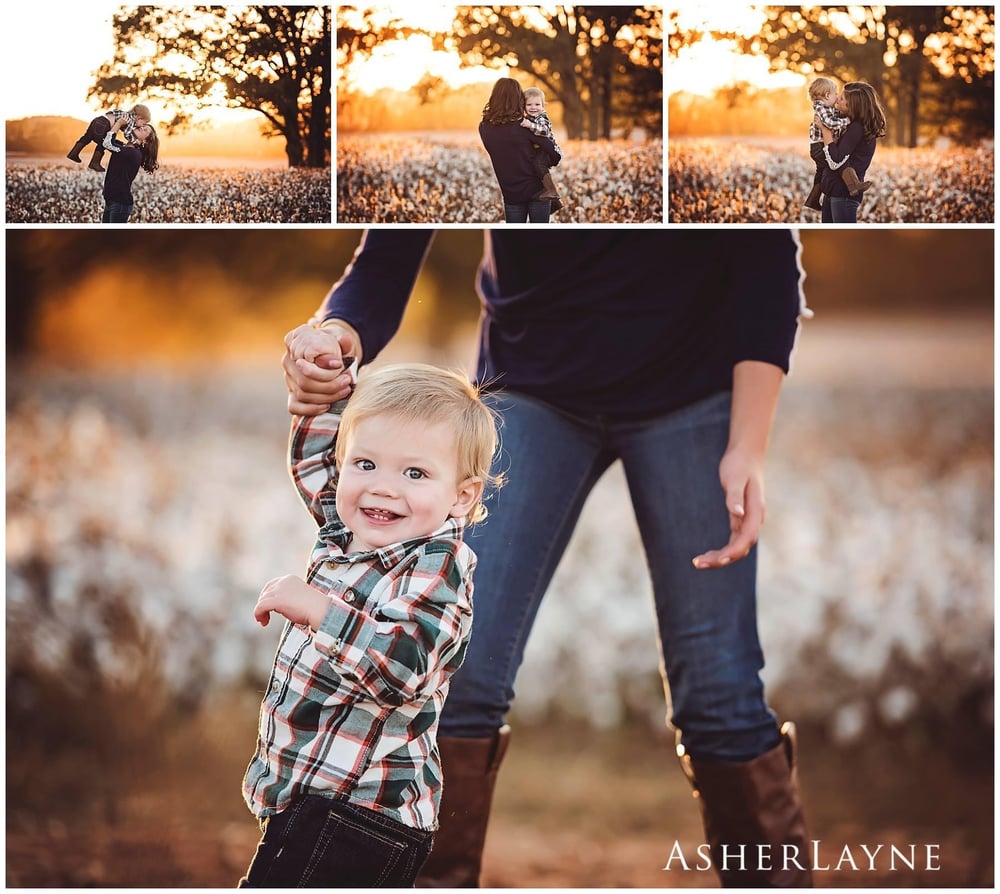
(838, 151)
(547, 145)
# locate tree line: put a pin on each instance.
(932, 66)
(602, 64)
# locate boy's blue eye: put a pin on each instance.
(366, 465)
(415, 474)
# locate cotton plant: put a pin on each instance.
(875, 600)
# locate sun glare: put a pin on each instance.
(399, 64)
(710, 64)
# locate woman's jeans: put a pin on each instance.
(117, 212)
(317, 842)
(707, 619)
(533, 212)
(840, 209)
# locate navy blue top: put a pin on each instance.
(852, 142)
(623, 323)
(512, 151)
(122, 168)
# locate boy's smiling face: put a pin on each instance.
(399, 480)
(534, 106)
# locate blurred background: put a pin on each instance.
(147, 502)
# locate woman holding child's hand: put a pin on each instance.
(314, 362)
(704, 325)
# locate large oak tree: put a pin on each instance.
(272, 59)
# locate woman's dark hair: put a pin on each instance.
(150, 150)
(506, 103)
(863, 106)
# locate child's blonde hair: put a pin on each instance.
(534, 91)
(417, 391)
(820, 86)
(141, 111)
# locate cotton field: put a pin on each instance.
(61, 192)
(450, 180)
(715, 181)
(159, 498)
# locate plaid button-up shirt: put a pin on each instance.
(830, 117)
(351, 710)
(541, 125)
(128, 128)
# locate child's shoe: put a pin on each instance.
(813, 200)
(74, 153)
(851, 180)
(95, 160)
(550, 193)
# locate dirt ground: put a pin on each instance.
(574, 809)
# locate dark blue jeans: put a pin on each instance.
(707, 619)
(117, 212)
(525, 212)
(317, 842)
(840, 209)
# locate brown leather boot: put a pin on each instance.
(470, 773)
(854, 185)
(753, 817)
(95, 159)
(813, 200)
(550, 192)
(74, 153)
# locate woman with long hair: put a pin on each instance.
(512, 148)
(123, 165)
(855, 147)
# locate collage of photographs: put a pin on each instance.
(292, 371)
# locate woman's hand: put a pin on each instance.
(827, 134)
(316, 374)
(742, 477)
(741, 471)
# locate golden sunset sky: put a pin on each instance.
(51, 52)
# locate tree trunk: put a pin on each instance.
(319, 114)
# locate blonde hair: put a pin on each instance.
(820, 86)
(142, 111)
(534, 91)
(417, 391)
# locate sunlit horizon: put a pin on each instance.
(76, 41)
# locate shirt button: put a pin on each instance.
(348, 597)
(275, 686)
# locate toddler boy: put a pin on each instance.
(346, 778)
(537, 120)
(102, 129)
